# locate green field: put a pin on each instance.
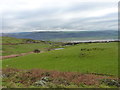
(15, 40)
(24, 48)
(17, 46)
(101, 58)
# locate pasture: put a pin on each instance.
(24, 48)
(100, 58)
(17, 46)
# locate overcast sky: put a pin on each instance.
(32, 15)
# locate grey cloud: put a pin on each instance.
(47, 18)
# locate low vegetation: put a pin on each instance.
(12, 40)
(85, 65)
(36, 78)
(17, 46)
(101, 58)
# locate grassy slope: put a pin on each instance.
(103, 60)
(22, 48)
(11, 40)
(15, 40)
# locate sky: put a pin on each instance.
(58, 15)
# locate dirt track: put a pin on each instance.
(14, 55)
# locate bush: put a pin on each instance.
(36, 51)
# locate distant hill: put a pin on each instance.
(66, 36)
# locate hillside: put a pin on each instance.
(13, 40)
(11, 45)
(85, 65)
(85, 58)
(66, 36)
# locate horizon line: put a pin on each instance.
(58, 31)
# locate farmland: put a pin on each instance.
(16, 46)
(103, 59)
(94, 60)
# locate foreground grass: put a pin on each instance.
(101, 58)
(36, 78)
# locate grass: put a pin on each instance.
(13, 45)
(17, 78)
(15, 40)
(22, 48)
(101, 58)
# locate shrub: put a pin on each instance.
(36, 51)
